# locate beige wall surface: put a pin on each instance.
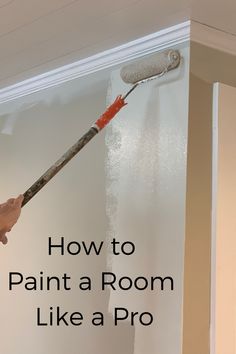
(212, 65)
(198, 221)
(207, 66)
(224, 305)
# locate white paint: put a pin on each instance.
(63, 94)
(13, 115)
(9, 124)
(146, 181)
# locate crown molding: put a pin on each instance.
(171, 36)
(160, 40)
(213, 38)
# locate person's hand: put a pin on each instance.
(9, 214)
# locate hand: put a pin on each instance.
(9, 214)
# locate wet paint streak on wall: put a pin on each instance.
(146, 189)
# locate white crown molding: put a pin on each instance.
(157, 41)
(213, 38)
(132, 50)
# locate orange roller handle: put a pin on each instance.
(110, 113)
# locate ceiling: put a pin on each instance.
(37, 36)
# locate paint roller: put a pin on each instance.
(136, 73)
